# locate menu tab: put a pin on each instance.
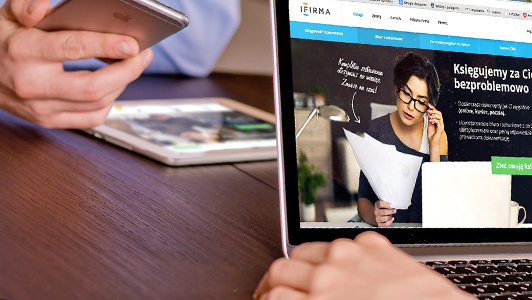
(446, 7)
(449, 43)
(322, 32)
(388, 38)
(416, 4)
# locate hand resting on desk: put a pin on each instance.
(33, 84)
(367, 268)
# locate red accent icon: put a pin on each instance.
(524, 15)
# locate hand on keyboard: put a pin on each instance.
(367, 268)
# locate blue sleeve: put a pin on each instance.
(195, 50)
(365, 190)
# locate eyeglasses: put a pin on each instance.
(419, 105)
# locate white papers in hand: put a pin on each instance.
(392, 174)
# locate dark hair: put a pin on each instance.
(412, 64)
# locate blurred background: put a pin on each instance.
(250, 50)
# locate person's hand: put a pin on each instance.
(368, 268)
(33, 83)
(384, 213)
(436, 128)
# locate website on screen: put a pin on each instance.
(413, 113)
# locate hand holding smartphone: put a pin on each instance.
(147, 21)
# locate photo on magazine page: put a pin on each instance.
(399, 137)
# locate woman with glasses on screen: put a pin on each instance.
(415, 128)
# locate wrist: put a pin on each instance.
(434, 149)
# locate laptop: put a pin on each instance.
(335, 60)
(475, 199)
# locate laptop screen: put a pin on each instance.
(411, 118)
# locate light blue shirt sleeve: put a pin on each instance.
(194, 50)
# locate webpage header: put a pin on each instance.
(509, 21)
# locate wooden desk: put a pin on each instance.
(83, 219)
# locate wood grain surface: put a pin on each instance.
(83, 219)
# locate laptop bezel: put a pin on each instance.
(292, 232)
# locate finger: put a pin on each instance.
(262, 287)
(386, 211)
(85, 85)
(436, 112)
(372, 239)
(344, 252)
(382, 219)
(433, 119)
(49, 107)
(436, 120)
(383, 204)
(77, 120)
(440, 126)
(437, 123)
(26, 12)
(46, 112)
(436, 116)
(282, 292)
(387, 224)
(290, 273)
(115, 77)
(313, 253)
(68, 45)
(107, 101)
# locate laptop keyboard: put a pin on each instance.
(489, 279)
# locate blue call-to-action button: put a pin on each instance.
(504, 48)
(323, 32)
(449, 43)
(388, 38)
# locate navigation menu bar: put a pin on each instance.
(381, 37)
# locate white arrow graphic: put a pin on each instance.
(356, 118)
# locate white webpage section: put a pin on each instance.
(407, 19)
(309, 11)
(434, 22)
(489, 3)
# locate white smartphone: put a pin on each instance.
(191, 131)
(147, 21)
